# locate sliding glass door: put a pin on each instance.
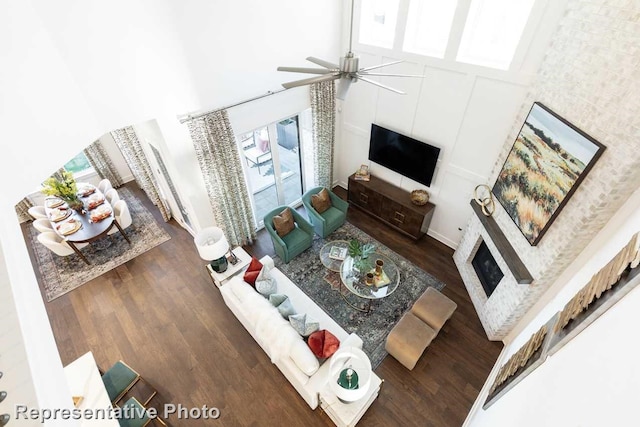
(273, 166)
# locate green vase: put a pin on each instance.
(348, 379)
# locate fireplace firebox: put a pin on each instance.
(487, 269)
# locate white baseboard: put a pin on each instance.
(442, 239)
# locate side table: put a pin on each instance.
(345, 414)
(244, 259)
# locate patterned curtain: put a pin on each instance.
(219, 160)
(129, 145)
(323, 111)
(22, 210)
(102, 163)
(58, 174)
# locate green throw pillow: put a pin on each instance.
(283, 304)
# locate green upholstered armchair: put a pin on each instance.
(328, 221)
(296, 241)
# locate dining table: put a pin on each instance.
(88, 227)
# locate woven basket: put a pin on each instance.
(419, 197)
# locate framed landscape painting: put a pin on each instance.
(547, 162)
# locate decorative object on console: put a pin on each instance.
(547, 162)
(253, 271)
(213, 246)
(350, 374)
(483, 196)
(362, 174)
(419, 197)
(323, 343)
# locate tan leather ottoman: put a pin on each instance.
(408, 340)
(433, 308)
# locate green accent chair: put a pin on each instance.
(136, 415)
(330, 220)
(297, 241)
(120, 379)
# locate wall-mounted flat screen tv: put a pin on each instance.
(400, 153)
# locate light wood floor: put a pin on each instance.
(161, 314)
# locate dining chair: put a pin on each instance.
(56, 244)
(121, 378)
(43, 225)
(136, 415)
(104, 186)
(37, 212)
(122, 215)
(112, 196)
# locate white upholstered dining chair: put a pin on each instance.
(56, 244)
(122, 214)
(112, 196)
(43, 225)
(104, 186)
(37, 212)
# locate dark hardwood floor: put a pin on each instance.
(162, 315)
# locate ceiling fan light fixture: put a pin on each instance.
(347, 71)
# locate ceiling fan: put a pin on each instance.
(347, 71)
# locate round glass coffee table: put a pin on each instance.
(353, 277)
(333, 254)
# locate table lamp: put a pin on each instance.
(213, 246)
(349, 374)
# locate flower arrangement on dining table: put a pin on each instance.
(66, 189)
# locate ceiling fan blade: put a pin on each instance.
(379, 66)
(381, 85)
(392, 75)
(311, 80)
(322, 62)
(305, 70)
(343, 87)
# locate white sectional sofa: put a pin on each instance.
(277, 337)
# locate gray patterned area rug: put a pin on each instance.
(64, 274)
(322, 286)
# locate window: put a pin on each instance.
(378, 22)
(492, 32)
(78, 164)
(428, 27)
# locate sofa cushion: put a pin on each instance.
(321, 201)
(297, 240)
(283, 222)
(323, 343)
(240, 289)
(303, 324)
(283, 304)
(304, 359)
(253, 271)
(265, 284)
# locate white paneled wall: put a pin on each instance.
(466, 111)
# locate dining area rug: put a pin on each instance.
(64, 274)
(323, 287)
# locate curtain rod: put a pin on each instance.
(191, 116)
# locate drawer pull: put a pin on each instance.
(398, 217)
(364, 198)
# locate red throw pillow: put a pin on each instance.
(252, 272)
(323, 343)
